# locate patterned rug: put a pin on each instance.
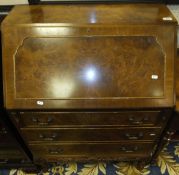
(167, 164)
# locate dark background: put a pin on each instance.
(117, 1)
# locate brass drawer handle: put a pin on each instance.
(130, 150)
(133, 121)
(36, 120)
(168, 136)
(3, 131)
(24, 161)
(134, 137)
(55, 151)
(51, 138)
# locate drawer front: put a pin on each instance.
(70, 119)
(10, 153)
(90, 134)
(15, 163)
(95, 150)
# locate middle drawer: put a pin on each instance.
(91, 119)
(90, 134)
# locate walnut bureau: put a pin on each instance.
(90, 82)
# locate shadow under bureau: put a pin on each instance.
(90, 82)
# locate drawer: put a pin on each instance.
(92, 150)
(82, 119)
(17, 160)
(10, 153)
(90, 134)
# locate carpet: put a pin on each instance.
(167, 163)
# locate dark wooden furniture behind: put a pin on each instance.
(90, 82)
(13, 152)
(33, 2)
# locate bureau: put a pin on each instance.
(90, 82)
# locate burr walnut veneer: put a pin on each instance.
(90, 82)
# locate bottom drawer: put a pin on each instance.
(10, 153)
(14, 161)
(92, 151)
(24, 164)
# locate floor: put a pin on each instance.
(167, 164)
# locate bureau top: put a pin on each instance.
(94, 59)
(90, 14)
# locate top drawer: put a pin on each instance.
(85, 119)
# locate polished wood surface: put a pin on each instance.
(87, 128)
(86, 119)
(83, 69)
(80, 151)
(92, 78)
(90, 134)
(89, 14)
(84, 61)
